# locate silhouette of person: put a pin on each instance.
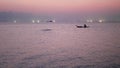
(85, 25)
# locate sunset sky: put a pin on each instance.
(59, 6)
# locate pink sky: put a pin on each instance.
(38, 6)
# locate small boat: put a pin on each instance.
(51, 21)
(84, 26)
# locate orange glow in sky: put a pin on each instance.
(37, 6)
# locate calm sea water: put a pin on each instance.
(60, 46)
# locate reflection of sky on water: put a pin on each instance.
(59, 45)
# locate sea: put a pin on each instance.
(60, 45)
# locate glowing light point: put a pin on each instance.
(33, 21)
(87, 21)
(15, 21)
(53, 20)
(90, 20)
(38, 21)
(100, 21)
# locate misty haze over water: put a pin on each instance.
(10, 17)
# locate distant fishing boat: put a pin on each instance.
(89, 20)
(51, 21)
(84, 26)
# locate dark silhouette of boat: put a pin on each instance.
(84, 26)
(51, 21)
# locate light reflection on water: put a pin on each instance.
(60, 46)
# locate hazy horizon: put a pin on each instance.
(61, 10)
(75, 17)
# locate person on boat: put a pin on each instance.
(85, 25)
